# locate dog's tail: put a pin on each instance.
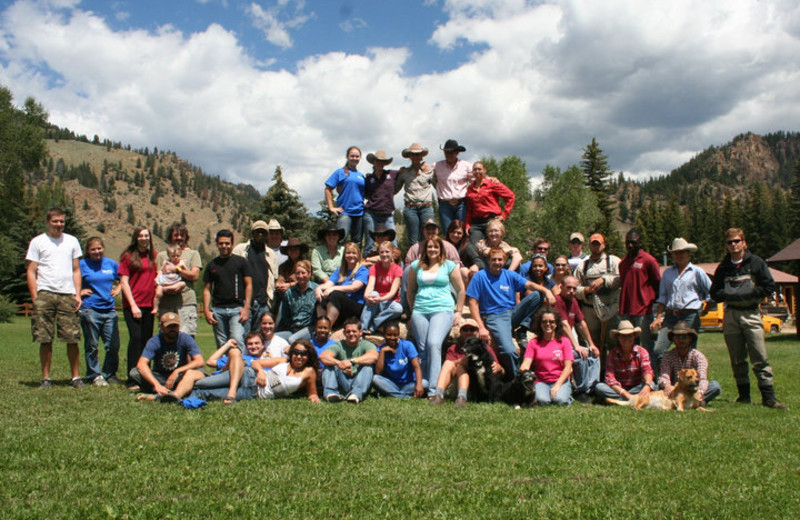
(618, 402)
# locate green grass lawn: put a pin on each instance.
(96, 453)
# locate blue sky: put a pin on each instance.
(239, 87)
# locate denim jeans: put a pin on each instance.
(291, 337)
(374, 315)
(526, 309)
(352, 226)
(256, 311)
(449, 213)
(603, 391)
(386, 386)
(563, 397)
(228, 325)
(216, 386)
(585, 373)
(335, 381)
(662, 341)
(499, 326)
(430, 331)
(415, 218)
(643, 322)
(103, 325)
(370, 221)
(477, 229)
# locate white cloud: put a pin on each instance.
(655, 82)
(352, 24)
(274, 21)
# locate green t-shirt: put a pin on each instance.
(341, 351)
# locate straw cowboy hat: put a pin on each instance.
(681, 244)
(414, 148)
(682, 328)
(625, 327)
(380, 155)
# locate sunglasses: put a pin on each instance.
(300, 353)
(734, 241)
(549, 322)
(562, 265)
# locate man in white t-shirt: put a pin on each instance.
(54, 281)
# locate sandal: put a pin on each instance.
(229, 400)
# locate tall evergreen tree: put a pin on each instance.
(283, 204)
(598, 178)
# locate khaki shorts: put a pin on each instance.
(188, 316)
(51, 308)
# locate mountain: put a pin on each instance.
(114, 189)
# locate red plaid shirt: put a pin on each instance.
(629, 374)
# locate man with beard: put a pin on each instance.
(263, 264)
(181, 301)
(640, 277)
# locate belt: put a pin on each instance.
(682, 312)
(452, 202)
(418, 204)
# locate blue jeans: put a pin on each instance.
(449, 213)
(228, 325)
(374, 315)
(523, 313)
(644, 322)
(499, 326)
(291, 337)
(103, 325)
(563, 397)
(415, 218)
(334, 381)
(352, 226)
(585, 373)
(369, 222)
(603, 391)
(216, 386)
(386, 386)
(663, 342)
(256, 311)
(430, 331)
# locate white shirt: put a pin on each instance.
(54, 257)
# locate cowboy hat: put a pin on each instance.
(380, 229)
(680, 244)
(330, 229)
(294, 242)
(451, 145)
(625, 327)
(380, 155)
(414, 148)
(682, 328)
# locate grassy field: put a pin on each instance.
(96, 453)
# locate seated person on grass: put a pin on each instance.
(455, 366)
(628, 369)
(398, 372)
(684, 356)
(348, 366)
(175, 357)
(282, 380)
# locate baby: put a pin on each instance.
(169, 278)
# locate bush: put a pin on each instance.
(7, 309)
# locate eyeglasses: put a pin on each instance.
(300, 353)
(734, 241)
(543, 249)
(549, 322)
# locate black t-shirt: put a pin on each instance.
(258, 270)
(226, 276)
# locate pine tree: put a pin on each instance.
(283, 204)
(598, 178)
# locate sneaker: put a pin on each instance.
(774, 403)
(100, 381)
(461, 402)
(77, 383)
(334, 398)
(113, 380)
(437, 400)
(353, 398)
(46, 383)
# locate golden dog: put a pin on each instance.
(684, 395)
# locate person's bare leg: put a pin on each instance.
(333, 314)
(73, 355)
(46, 357)
(236, 368)
(185, 385)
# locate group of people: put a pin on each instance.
(601, 326)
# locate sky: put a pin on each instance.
(240, 87)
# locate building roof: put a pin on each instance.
(790, 252)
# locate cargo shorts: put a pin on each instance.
(50, 309)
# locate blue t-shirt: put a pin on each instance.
(351, 197)
(99, 277)
(166, 357)
(321, 348)
(247, 358)
(362, 275)
(495, 294)
(397, 367)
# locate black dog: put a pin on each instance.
(484, 386)
(520, 391)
